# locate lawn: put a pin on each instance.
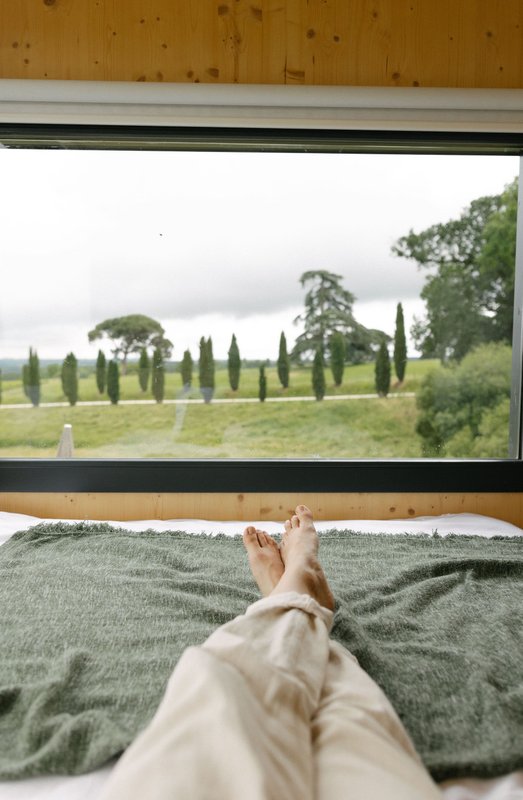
(367, 428)
(363, 428)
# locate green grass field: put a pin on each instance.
(380, 428)
(363, 428)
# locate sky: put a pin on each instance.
(211, 244)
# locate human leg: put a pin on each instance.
(359, 741)
(235, 719)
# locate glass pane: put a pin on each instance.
(251, 305)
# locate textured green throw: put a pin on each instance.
(93, 620)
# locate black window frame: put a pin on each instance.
(261, 475)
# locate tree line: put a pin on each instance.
(151, 370)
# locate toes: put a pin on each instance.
(303, 511)
(295, 522)
(250, 538)
(287, 525)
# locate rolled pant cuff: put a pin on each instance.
(293, 600)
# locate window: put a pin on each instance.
(236, 238)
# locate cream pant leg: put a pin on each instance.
(234, 723)
(361, 749)
(269, 709)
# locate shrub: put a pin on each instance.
(458, 402)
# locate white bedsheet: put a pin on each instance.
(88, 787)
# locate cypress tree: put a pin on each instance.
(206, 369)
(212, 367)
(70, 378)
(382, 370)
(113, 382)
(25, 379)
(234, 364)
(284, 362)
(33, 378)
(337, 352)
(144, 369)
(318, 375)
(202, 366)
(400, 345)
(101, 372)
(158, 376)
(262, 384)
(186, 368)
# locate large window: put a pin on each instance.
(261, 297)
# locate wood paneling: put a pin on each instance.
(260, 506)
(469, 43)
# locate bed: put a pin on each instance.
(88, 786)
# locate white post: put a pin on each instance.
(65, 445)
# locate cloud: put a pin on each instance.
(179, 236)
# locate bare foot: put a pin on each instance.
(264, 559)
(299, 553)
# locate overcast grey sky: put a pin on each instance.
(213, 243)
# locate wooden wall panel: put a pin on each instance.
(469, 43)
(260, 506)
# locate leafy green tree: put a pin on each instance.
(453, 402)
(318, 375)
(69, 377)
(33, 378)
(144, 369)
(328, 308)
(158, 375)
(400, 345)
(337, 353)
(382, 370)
(186, 368)
(262, 383)
(284, 362)
(0, 385)
(113, 382)
(469, 291)
(130, 334)
(234, 364)
(206, 369)
(101, 372)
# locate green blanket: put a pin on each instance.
(93, 620)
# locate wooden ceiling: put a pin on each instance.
(451, 43)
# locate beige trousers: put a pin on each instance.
(269, 708)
